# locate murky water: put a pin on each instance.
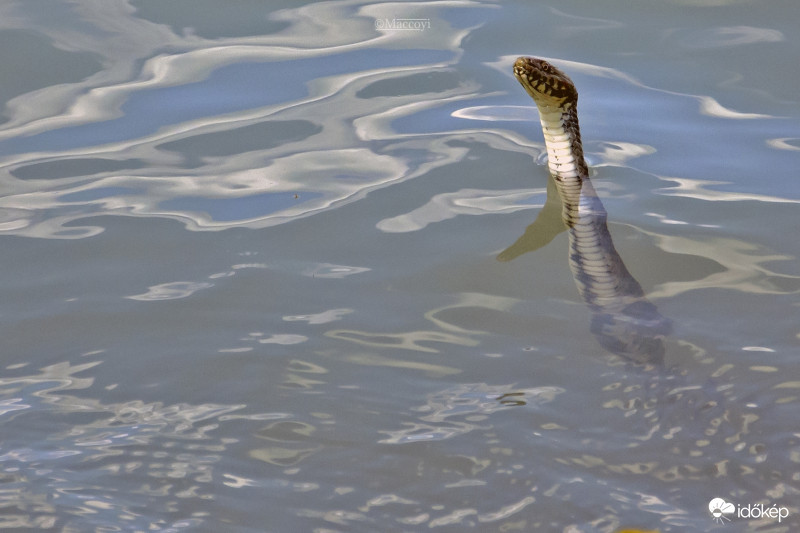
(267, 268)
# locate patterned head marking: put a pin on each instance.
(546, 84)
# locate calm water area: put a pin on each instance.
(274, 266)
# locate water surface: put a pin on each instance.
(251, 277)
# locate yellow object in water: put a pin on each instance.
(637, 531)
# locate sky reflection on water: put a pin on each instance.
(362, 361)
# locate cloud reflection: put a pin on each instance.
(122, 144)
(244, 130)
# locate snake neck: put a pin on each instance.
(562, 136)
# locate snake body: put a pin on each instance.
(705, 422)
(624, 321)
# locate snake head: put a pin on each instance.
(546, 84)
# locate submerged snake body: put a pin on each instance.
(624, 321)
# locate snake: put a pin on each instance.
(704, 419)
(624, 321)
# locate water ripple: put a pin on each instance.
(161, 455)
(111, 145)
(468, 404)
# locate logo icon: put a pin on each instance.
(719, 509)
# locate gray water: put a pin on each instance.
(250, 277)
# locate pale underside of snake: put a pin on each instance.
(624, 321)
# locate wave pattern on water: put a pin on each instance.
(162, 457)
(241, 131)
(220, 120)
(411, 379)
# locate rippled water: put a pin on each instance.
(267, 269)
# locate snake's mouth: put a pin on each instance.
(545, 83)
